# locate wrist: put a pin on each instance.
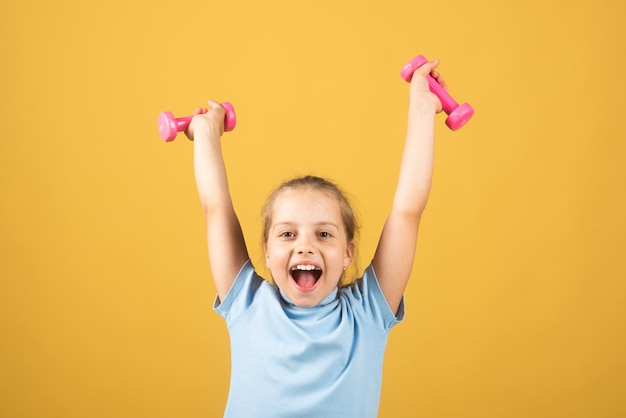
(425, 102)
(422, 110)
(207, 131)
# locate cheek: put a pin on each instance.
(274, 254)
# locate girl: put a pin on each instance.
(306, 346)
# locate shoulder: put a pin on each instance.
(366, 296)
(243, 292)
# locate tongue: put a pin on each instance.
(305, 279)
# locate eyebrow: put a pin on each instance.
(292, 224)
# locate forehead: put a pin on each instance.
(297, 204)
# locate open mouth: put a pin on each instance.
(306, 275)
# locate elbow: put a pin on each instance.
(409, 216)
(217, 210)
(411, 205)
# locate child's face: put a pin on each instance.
(307, 250)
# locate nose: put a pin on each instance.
(304, 246)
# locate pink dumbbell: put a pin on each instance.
(457, 115)
(169, 126)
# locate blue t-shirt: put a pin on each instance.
(288, 361)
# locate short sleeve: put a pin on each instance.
(241, 294)
(367, 294)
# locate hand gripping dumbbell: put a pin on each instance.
(169, 126)
(457, 115)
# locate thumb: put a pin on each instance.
(213, 104)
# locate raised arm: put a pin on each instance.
(393, 260)
(227, 248)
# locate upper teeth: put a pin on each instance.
(305, 267)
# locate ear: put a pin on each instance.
(266, 255)
(350, 250)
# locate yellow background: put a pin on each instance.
(517, 306)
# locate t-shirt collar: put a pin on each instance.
(327, 300)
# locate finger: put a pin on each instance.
(437, 75)
(213, 104)
(428, 68)
(439, 78)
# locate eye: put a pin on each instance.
(324, 234)
(287, 234)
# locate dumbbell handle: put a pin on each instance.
(457, 115)
(182, 123)
(169, 126)
(448, 104)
